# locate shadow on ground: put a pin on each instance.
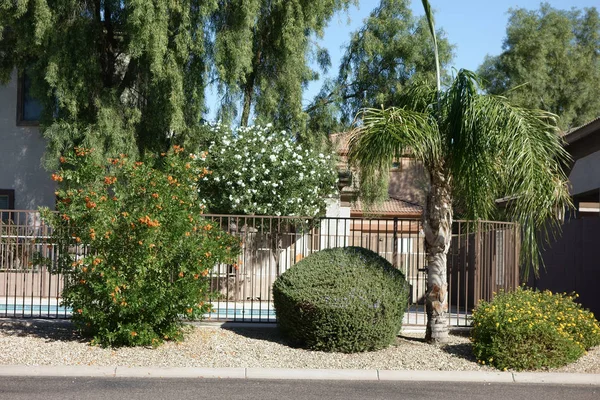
(51, 330)
(461, 350)
(268, 334)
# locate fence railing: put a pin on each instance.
(483, 258)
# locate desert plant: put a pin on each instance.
(134, 248)
(528, 329)
(344, 299)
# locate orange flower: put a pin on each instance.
(207, 254)
(177, 149)
(149, 222)
(57, 178)
(96, 261)
(90, 204)
(78, 239)
(181, 274)
(205, 272)
(65, 217)
(107, 234)
(155, 195)
(84, 269)
(187, 165)
(82, 281)
(125, 214)
(79, 311)
(138, 163)
(109, 180)
(187, 234)
(189, 310)
(196, 276)
(140, 243)
(208, 227)
(62, 160)
(133, 333)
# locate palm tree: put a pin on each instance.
(475, 148)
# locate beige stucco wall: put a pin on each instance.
(585, 175)
(408, 181)
(21, 150)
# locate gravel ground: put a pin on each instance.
(38, 342)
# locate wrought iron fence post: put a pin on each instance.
(395, 244)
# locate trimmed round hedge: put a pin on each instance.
(345, 299)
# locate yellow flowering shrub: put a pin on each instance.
(133, 245)
(528, 329)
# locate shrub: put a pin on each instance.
(259, 170)
(134, 248)
(344, 299)
(528, 329)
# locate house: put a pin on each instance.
(24, 183)
(572, 259)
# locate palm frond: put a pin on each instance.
(471, 153)
(385, 134)
(431, 23)
(528, 154)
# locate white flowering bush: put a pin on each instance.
(258, 170)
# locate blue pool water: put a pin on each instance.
(58, 311)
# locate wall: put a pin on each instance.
(21, 150)
(408, 181)
(572, 262)
(585, 175)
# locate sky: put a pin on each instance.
(475, 27)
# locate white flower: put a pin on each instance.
(272, 158)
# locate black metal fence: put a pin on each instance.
(482, 259)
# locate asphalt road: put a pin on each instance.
(16, 388)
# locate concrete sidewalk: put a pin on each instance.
(302, 374)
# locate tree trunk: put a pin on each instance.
(437, 225)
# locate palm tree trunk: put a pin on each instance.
(437, 225)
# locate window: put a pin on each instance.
(29, 109)
(7, 202)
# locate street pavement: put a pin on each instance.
(53, 388)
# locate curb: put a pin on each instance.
(301, 374)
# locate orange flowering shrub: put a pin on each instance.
(136, 251)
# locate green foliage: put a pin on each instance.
(344, 299)
(263, 171)
(262, 53)
(528, 329)
(475, 147)
(113, 75)
(392, 49)
(134, 248)
(555, 55)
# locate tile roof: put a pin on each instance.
(391, 207)
(340, 141)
